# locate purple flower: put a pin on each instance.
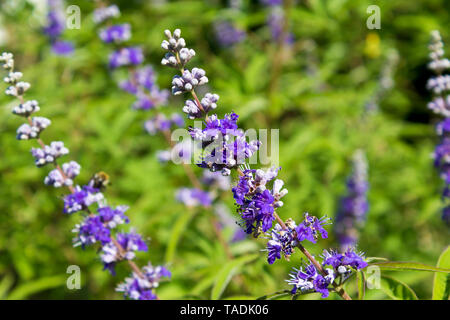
(81, 198)
(126, 57)
(105, 13)
(343, 262)
(55, 19)
(56, 179)
(130, 243)
(255, 201)
(281, 241)
(137, 288)
(26, 131)
(225, 142)
(354, 206)
(116, 33)
(440, 87)
(272, 2)
(49, 154)
(311, 228)
(193, 197)
(90, 231)
(228, 35)
(63, 48)
(188, 81)
(26, 109)
(309, 279)
(113, 217)
(158, 123)
(208, 103)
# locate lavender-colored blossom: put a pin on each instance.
(226, 144)
(113, 217)
(227, 34)
(26, 131)
(193, 197)
(17, 89)
(137, 288)
(56, 179)
(116, 33)
(272, 2)
(158, 123)
(91, 230)
(354, 206)
(49, 154)
(276, 21)
(81, 198)
(130, 243)
(55, 19)
(26, 109)
(126, 57)
(282, 241)
(208, 103)
(188, 81)
(440, 87)
(311, 228)
(308, 279)
(343, 263)
(63, 48)
(105, 13)
(56, 24)
(256, 203)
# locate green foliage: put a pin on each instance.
(441, 287)
(324, 82)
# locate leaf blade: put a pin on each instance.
(441, 286)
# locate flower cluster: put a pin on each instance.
(227, 34)
(128, 56)
(104, 13)
(55, 26)
(95, 228)
(310, 279)
(141, 288)
(440, 87)
(192, 197)
(48, 154)
(225, 145)
(352, 213)
(116, 33)
(256, 202)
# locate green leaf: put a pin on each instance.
(407, 266)
(25, 290)
(178, 229)
(5, 284)
(361, 281)
(397, 289)
(227, 272)
(441, 287)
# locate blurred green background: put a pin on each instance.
(318, 100)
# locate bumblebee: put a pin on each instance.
(100, 180)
